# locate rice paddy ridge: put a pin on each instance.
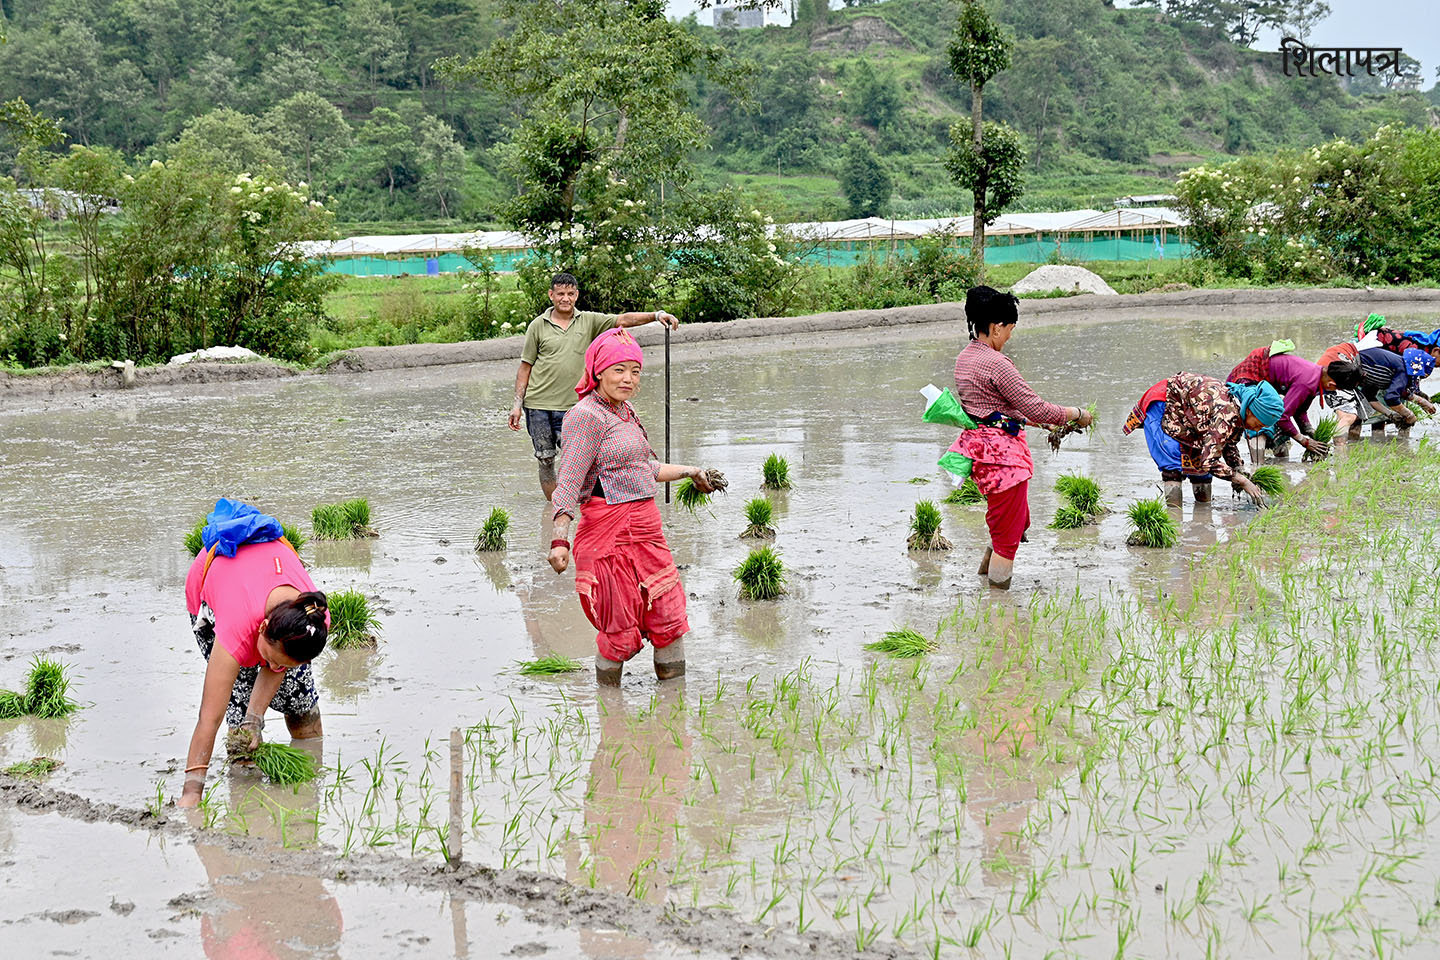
(1032, 781)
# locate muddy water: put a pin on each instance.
(96, 493)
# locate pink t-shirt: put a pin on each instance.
(236, 588)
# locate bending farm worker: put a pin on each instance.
(553, 359)
(258, 621)
(1197, 427)
(627, 580)
(1386, 382)
(1300, 382)
(999, 400)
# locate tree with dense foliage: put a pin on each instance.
(864, 180)
(984, 158)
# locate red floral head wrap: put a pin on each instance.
(611, 347)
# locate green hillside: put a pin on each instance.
(344, 95)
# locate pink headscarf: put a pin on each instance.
(611, 347)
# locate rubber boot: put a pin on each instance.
(1000, 572)
(985, 561)
(1257, 451)
(607, 672)
(670, 660)
(1174, 493)
(1201, 489)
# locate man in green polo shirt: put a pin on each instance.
(551, 363)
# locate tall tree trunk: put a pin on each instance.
(977, 226)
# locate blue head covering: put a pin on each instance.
(1429, 340)
(1418, 363)
(1261, 399)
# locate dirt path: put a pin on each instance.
(547, 899)
(1276, 302)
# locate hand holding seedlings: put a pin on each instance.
(1244, 483)
(1080, 419)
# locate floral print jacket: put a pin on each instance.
(1205, 419)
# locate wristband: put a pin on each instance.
(559, 542)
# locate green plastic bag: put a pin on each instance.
(947, 410)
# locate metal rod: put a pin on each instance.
(667, 405)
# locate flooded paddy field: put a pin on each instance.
(1220, 749)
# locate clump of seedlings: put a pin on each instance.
(967, 493)
(492, 532)
(776, 472)
(349, 520)
(1082, 495)
(549, 666)
(903, 643)
(279, 762)
(689, 495)
(925, 528)
(195, 542)
(1420, 412)
(1325, 429)
(1059, 433)
(46, 693)
(36, 769)
(1270, 480)
(761, 575)
(1151, 525)
(758, 514)
(12, 705)
(352, 623)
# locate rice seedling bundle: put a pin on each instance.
(492, 532)
(1064, 430)
(282, 763)
(1270, 480)
(925, 528)
(549, 666)
(1326, 428)
(293, 534)
(904, 643)
(47, 690)
(761, 575)
(36, 769)
(966, 493)
(758, 514)
(776, 472)
(352, 624)
(12, 705)
(1081, 492)
(347, 520)
(1419, 411)
(1069, 518)
(689, 496)
(1151, 525)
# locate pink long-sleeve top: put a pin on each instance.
(986, 381)
(603, 442)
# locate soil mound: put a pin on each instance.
(1065, 279)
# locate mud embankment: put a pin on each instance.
(551, 900)
(1079, 309)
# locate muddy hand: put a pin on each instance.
(559, 559)
(190, 796)
(253, 725)
(1084, 418)
(1319, 448)
(1254, 492)
(514, 419)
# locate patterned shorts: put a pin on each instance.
(296, 697)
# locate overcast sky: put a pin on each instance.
(1409, 24)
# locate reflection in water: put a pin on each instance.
(345, 554)
(346, 674)
(49, 736)
(553, 617)
(761, 623)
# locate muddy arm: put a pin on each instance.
(522, 380)
(220, 676)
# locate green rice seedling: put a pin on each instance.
(1064, 430)
(37, 769)
(903, 643)
(293, 534)
(776, 472)
(689, 496)
(758, 514)
(352, 624)
(1270, 480)
(348, 520)
(549, 666)
(1082, 492)
(12, 705)
(492, 532)
(47, 690)
(966, 493)
(1151, 525)
(1419, 411)
(761, 575)
(1326, 428)
(1069, 518)
(282, 763)
(925, 528)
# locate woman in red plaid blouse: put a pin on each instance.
(995, 395)
(627, 580)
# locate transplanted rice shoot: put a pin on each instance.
(282, 763)
(492, 532)
(758, 514)
(352, 624)
(1270, 480)
(36, 769)
(904, 643)
(47, 690)
(1082, 492)
(548, 666)
(1151, 525)
(925, 528)
(1069, 518)
(761, 575)
(966, 493)
(776, 472)
(342, 521)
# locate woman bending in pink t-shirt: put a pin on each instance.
(256, 609)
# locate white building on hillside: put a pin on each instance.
(733, 18)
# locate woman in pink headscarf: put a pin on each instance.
(628, 584)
